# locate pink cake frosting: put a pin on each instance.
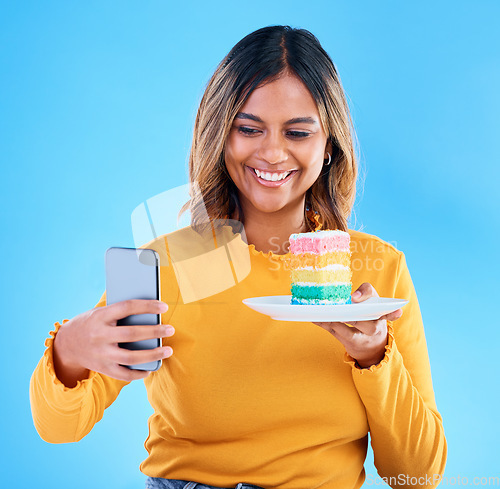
(309, 242)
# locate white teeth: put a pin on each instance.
(271, 177)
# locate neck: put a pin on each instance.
(270, 231)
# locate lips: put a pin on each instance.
(271, 179)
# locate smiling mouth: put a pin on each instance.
(272, 176)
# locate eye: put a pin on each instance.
(298, 134)
(247, 131)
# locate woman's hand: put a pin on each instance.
(90, 340)
(365, 341)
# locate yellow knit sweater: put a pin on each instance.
(245, 398)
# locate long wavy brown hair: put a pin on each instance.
(260, 58)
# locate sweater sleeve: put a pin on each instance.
(406, 429)
(62, 414)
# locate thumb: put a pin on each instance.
(363, 292)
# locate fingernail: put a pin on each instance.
(167, 352)
(169, 330)
(356, 294)
(163, 307)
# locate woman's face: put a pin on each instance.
(276, 147)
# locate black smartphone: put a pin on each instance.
(134, 273)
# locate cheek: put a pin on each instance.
(311, 160)
(233, 157)
(234, 148)
(228, 150)
(239, 149)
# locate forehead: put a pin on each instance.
(284, 98)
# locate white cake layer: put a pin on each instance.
(335, 266)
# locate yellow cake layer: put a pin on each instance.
(322, 276)
(320, 261)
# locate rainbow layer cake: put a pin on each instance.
(320, 265)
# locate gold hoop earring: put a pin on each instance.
(329, 159)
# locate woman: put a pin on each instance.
(242, 400)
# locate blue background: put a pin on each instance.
(97, 105)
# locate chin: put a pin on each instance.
(269, 207)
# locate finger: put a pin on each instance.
(126, 334)
(363, 292)
(126, 374)
(339, 330)
(369, 328)
(392, 316)
(123, 356)
(344, 333)
(122, 309)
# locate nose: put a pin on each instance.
(273, 149)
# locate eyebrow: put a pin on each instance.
(295, 120)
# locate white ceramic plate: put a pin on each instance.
(279, 307)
